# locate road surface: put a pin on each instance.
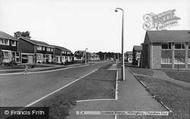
(23, 89)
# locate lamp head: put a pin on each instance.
(116, 10)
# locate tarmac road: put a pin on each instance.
(23, 89)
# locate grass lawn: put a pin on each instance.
(100, 84)
(143, 71)
(177, 98)
(179, 75)
(21, 66)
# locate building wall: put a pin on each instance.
(57, 52)
(25, 47)
(9, 47)
(8, 51)
(144, 57)
(156, 56)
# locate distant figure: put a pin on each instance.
(26, 69)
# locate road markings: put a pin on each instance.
(115, 116)
(38, 100)
(116, 91)
(116, 87)
(93, 100)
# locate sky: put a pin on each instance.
(92, 24)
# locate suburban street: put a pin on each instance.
(22, 89)
(99, 59)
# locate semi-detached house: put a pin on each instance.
(33, 51)
(62, 55)
(8, 48)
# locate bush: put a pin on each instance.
(12, 63)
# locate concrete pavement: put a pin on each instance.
(132, 96)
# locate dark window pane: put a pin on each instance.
(177, 46)
(164, 46)
(183, 46)
(170, 45)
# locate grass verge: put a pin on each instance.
(179, 75)
(175, 97)
(142, 71)
(99, 84)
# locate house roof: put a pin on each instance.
(129, 52)
(137, 48)
(62, 48)
(35, 42)
(167, 36)
(6, 36)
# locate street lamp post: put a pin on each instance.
(86, 55)
(122, 43)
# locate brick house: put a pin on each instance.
(166, 49)
(137, 55)
(94, 57)
(8, 48)
(62, 55)
(33, 51)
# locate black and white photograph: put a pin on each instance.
(94, 59)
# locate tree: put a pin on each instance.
(22, 34)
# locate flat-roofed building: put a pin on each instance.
(166, 49)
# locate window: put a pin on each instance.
(166, 56)
(43, 48)
(179, 57)
(6, 54)
(1, 41)
(188, 45)
(48, 49)
(39, 48)
(4, 42)
(13, 43)
(166, 46)
(166, 60)
(39, 56)
(179, 46)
